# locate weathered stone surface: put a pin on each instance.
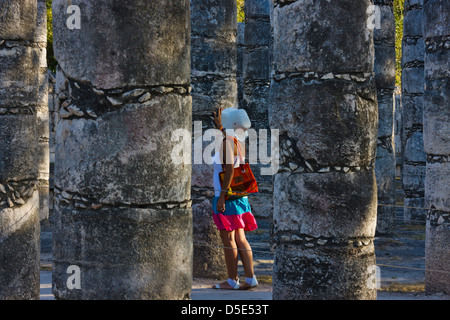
(100, 53)
(19, 78)
(436, 130)
(207, 263)
(20, 59)
(123, 253)
(18, 19)
(335, 130)
(22, 131)
(384, 69)
(321, 209)
(321, 268)
(436, 116)
(312, 45)
(257, 72)
(43, 130)
(19, 251)
(134, 144)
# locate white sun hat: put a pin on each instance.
(236, 122)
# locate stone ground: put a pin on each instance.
(405, 250)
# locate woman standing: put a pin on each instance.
(233, 217)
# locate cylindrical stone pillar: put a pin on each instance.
(20, 55)
(43, 114)
(214, 85)
(414, 157)
(257, 69)
(384, 41)
(240, 48)
(123, 224)
(323, 101)
(436, 134)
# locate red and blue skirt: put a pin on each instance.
(237, 215)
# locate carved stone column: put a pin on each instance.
(123, 223)
(436, 138)
(214, 85)
(414, 157)
(384, 40)
(20, 55)
(323, 101)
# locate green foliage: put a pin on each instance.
(51, 61)
(398, 13)
(240, 10)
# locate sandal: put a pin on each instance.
(230, 284)
(249, 283)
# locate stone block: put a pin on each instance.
(413, 179)
(386, 114)
(316, 44)
(19, 251)
(386, 33)
(99, 52)
(436, 128)
(437, 60)
(307, 273)
(414, 150)
(318, 204)
(412, 23)
(209, 260)
(433, 16)
(413, 50)
(436, 258)
(413, 80)
(257, 33)
(214, 56)
(122, 251)
(384, 66)
(334, 122)
(18, 19)
(19, 76)
(437, 187)
(208, 94)
(257, 64)
(18, 147)
(412, 111)
(210, 17)
(113, 158)
(257, 9)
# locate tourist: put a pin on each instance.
(233, 216)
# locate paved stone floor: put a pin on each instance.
(404, 249)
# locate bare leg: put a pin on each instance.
(245, 253)
(231, 256)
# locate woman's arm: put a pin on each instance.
(228, 155)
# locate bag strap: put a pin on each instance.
(242, 159)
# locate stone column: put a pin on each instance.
(123, 223)
(213, 78)
(20, 55)
(384, 40)
(240, 47)
(323, 101)
(43, 114)
(398, 130)
(257, 68)
(414, 158)
(436, 137)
